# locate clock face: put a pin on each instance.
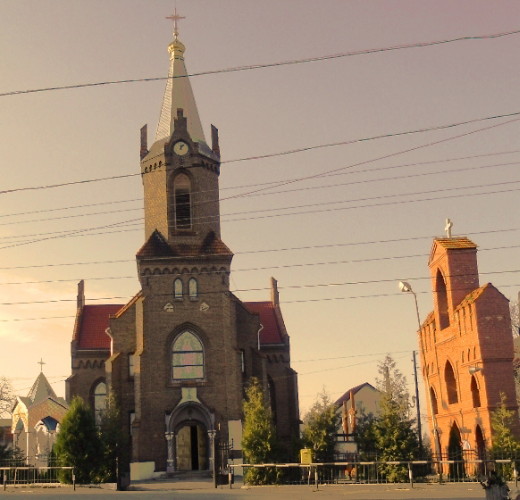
(180, 148)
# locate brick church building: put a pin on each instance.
(467, 352)
(179, 354)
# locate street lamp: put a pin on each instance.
(407, 288)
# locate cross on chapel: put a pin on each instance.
(41, 363)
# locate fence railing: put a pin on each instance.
(20, 475)
(414, 471)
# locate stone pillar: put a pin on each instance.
(212, 464)
(170, 463)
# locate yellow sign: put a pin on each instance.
(306, 456)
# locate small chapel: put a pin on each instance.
(36, 421)
(179, 355)
(466, 348)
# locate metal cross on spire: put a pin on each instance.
(175, 17)
(41, 363)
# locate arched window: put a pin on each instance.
(433, 399)
(182, 196)
(177, 289)
(100, 400)
(187, 357)
(442, 301)
(475, 393)
(193, 288)
(451, 384)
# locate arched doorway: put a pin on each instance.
(189, 447)
(455, 455)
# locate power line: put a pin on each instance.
(288, 152)
(271, 65)
(277, 250)
(309, 188)
(286, 287)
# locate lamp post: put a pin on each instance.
(407, 288)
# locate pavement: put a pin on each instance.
(204, 489)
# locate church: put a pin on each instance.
(178, 356)
(466, 348)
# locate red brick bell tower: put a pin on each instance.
(466, 349)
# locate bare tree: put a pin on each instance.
(6, 397)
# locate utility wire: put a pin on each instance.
(288, 152)
(271, 65)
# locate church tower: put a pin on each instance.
(467, 352)
(179, 355)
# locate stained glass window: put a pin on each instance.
(193, 288)
(100, 400)
(177, 289)
(187, 357)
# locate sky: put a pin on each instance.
(337, 172)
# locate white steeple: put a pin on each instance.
(178, 93)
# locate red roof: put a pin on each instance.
(94, 322)
(272, 332)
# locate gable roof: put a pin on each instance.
(94, 321)
(354, 390)
(158, 246)
(270, 318)
(457, 243)
(41, 390)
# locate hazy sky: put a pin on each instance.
(355, 218)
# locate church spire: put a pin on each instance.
(178, 93)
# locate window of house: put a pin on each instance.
(451, 384)
(193, 288)
(182, 196)
(100, 400)
(177, 289)
(187, 357)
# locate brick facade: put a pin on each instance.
(174, 399)
(466, 349)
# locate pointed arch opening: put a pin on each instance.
(451, 384)
(433, 399)
(475, 392)
(442, 300)
(182, 200)
(99, 397)
(187, 357)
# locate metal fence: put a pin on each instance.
(25, 474)
(377, 472)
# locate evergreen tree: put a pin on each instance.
(319, 432)
(394, 433)
(78, 444)
(505, 444)
(258, 435)
(114, 442)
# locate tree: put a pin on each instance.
(393, 429)
(319, 432)
(6, 397)
(78, 444)
(505, 444)
(258, 435)
(114, 442)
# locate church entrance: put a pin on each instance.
(455, 454)
(192, 447)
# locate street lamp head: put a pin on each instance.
(474, 369)
(405, 286)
